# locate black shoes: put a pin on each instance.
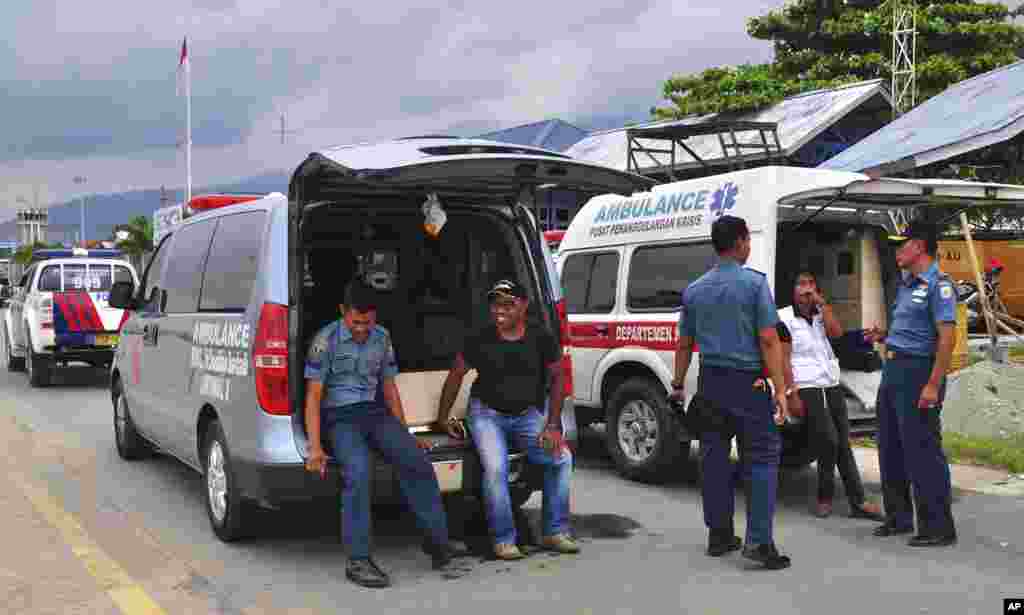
(888, 529)
(720, 543)
(444, 559)
(366, 573)
(932, 541)
(768, 556)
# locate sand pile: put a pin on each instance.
(986, 399)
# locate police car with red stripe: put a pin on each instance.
(59, 312)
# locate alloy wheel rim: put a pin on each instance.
(638, 431)
(216, 482)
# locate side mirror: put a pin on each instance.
(121, 296)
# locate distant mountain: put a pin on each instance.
(104, 211)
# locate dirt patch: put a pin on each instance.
(985, 399)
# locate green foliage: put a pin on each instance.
(23, 255)
(140, 236)
(849, 42)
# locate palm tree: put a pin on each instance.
(135, 238)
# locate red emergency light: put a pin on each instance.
(208, 202)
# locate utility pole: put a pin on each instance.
(904, 51)
(78, 180)
(281, 131)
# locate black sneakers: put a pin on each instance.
(767, 555)
(366, 573)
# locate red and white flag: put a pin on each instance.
(183, 67)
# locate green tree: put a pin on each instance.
(23, 255)
(828, 43)
(139, 237)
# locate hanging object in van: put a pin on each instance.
(434, 216)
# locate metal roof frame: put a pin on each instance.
(676, 133)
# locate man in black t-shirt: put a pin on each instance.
(518, 374)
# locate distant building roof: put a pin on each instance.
(799, 119)
(969, 115)
(553, 134)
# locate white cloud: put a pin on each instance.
(103, 73)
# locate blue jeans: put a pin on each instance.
(910, 450)
(747, 415)
(492, 432)
(354, 431)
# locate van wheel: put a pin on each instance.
(227, 510)
(14, 364)
(38, 367)
(642, 434)
(130, 445)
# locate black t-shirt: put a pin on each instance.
(511, 375)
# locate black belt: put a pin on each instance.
(899, 354)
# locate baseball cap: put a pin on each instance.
(507, 288)
(917, 230)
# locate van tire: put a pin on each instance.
(647, 402)
(14, 364)
(38, 366)
(228, 519)
(130, 445)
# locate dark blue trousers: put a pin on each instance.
(910, 449)
(355, 431)
(747, 414)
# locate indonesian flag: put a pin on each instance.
(183, 67)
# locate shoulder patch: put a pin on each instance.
(320, 341)
(946, 291)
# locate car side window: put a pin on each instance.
(234, 260)
(659, 274)
(49, 279)
(590, 281)
(151, 278)
(183, 275)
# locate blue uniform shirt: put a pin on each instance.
(350, 372)
(922, 302)
(724, 310)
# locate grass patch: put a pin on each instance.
(1002, 453)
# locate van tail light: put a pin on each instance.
(270, 359)
(45, 311)
(563, 330)
(124, 318)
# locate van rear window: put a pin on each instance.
(81, 276)
(659, 274)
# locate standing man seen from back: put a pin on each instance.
(730, 313)
(919, 349)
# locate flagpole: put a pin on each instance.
(188, 130)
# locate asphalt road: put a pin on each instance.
(643, 545)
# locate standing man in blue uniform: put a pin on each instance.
(348, 362)
(729, 312)
(919, 348)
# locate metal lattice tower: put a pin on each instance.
(904, 48)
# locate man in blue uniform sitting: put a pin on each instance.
(919, 349)
(729, 312)
(348, 362)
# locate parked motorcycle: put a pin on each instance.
(967, 293)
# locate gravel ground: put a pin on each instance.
(986, 399)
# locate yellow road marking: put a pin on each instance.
(126, 593)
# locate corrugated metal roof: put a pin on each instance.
(553, 134)
(799, 119)
(972, 114)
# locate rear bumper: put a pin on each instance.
(104, 355)
(458, 470)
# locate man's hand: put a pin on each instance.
(874, 335)
(796, 405)
(781, 407)
(317, 461)
(424, 444)
(453, 428)
(551, 440)
(929, 397)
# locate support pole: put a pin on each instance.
(990, 320)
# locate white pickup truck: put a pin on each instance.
(58, 312)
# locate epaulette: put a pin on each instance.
(760, 273)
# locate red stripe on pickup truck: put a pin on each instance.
(608, 335)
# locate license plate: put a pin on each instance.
(107, 340)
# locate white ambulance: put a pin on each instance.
(625, 260)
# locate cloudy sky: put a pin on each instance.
(89, 88)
